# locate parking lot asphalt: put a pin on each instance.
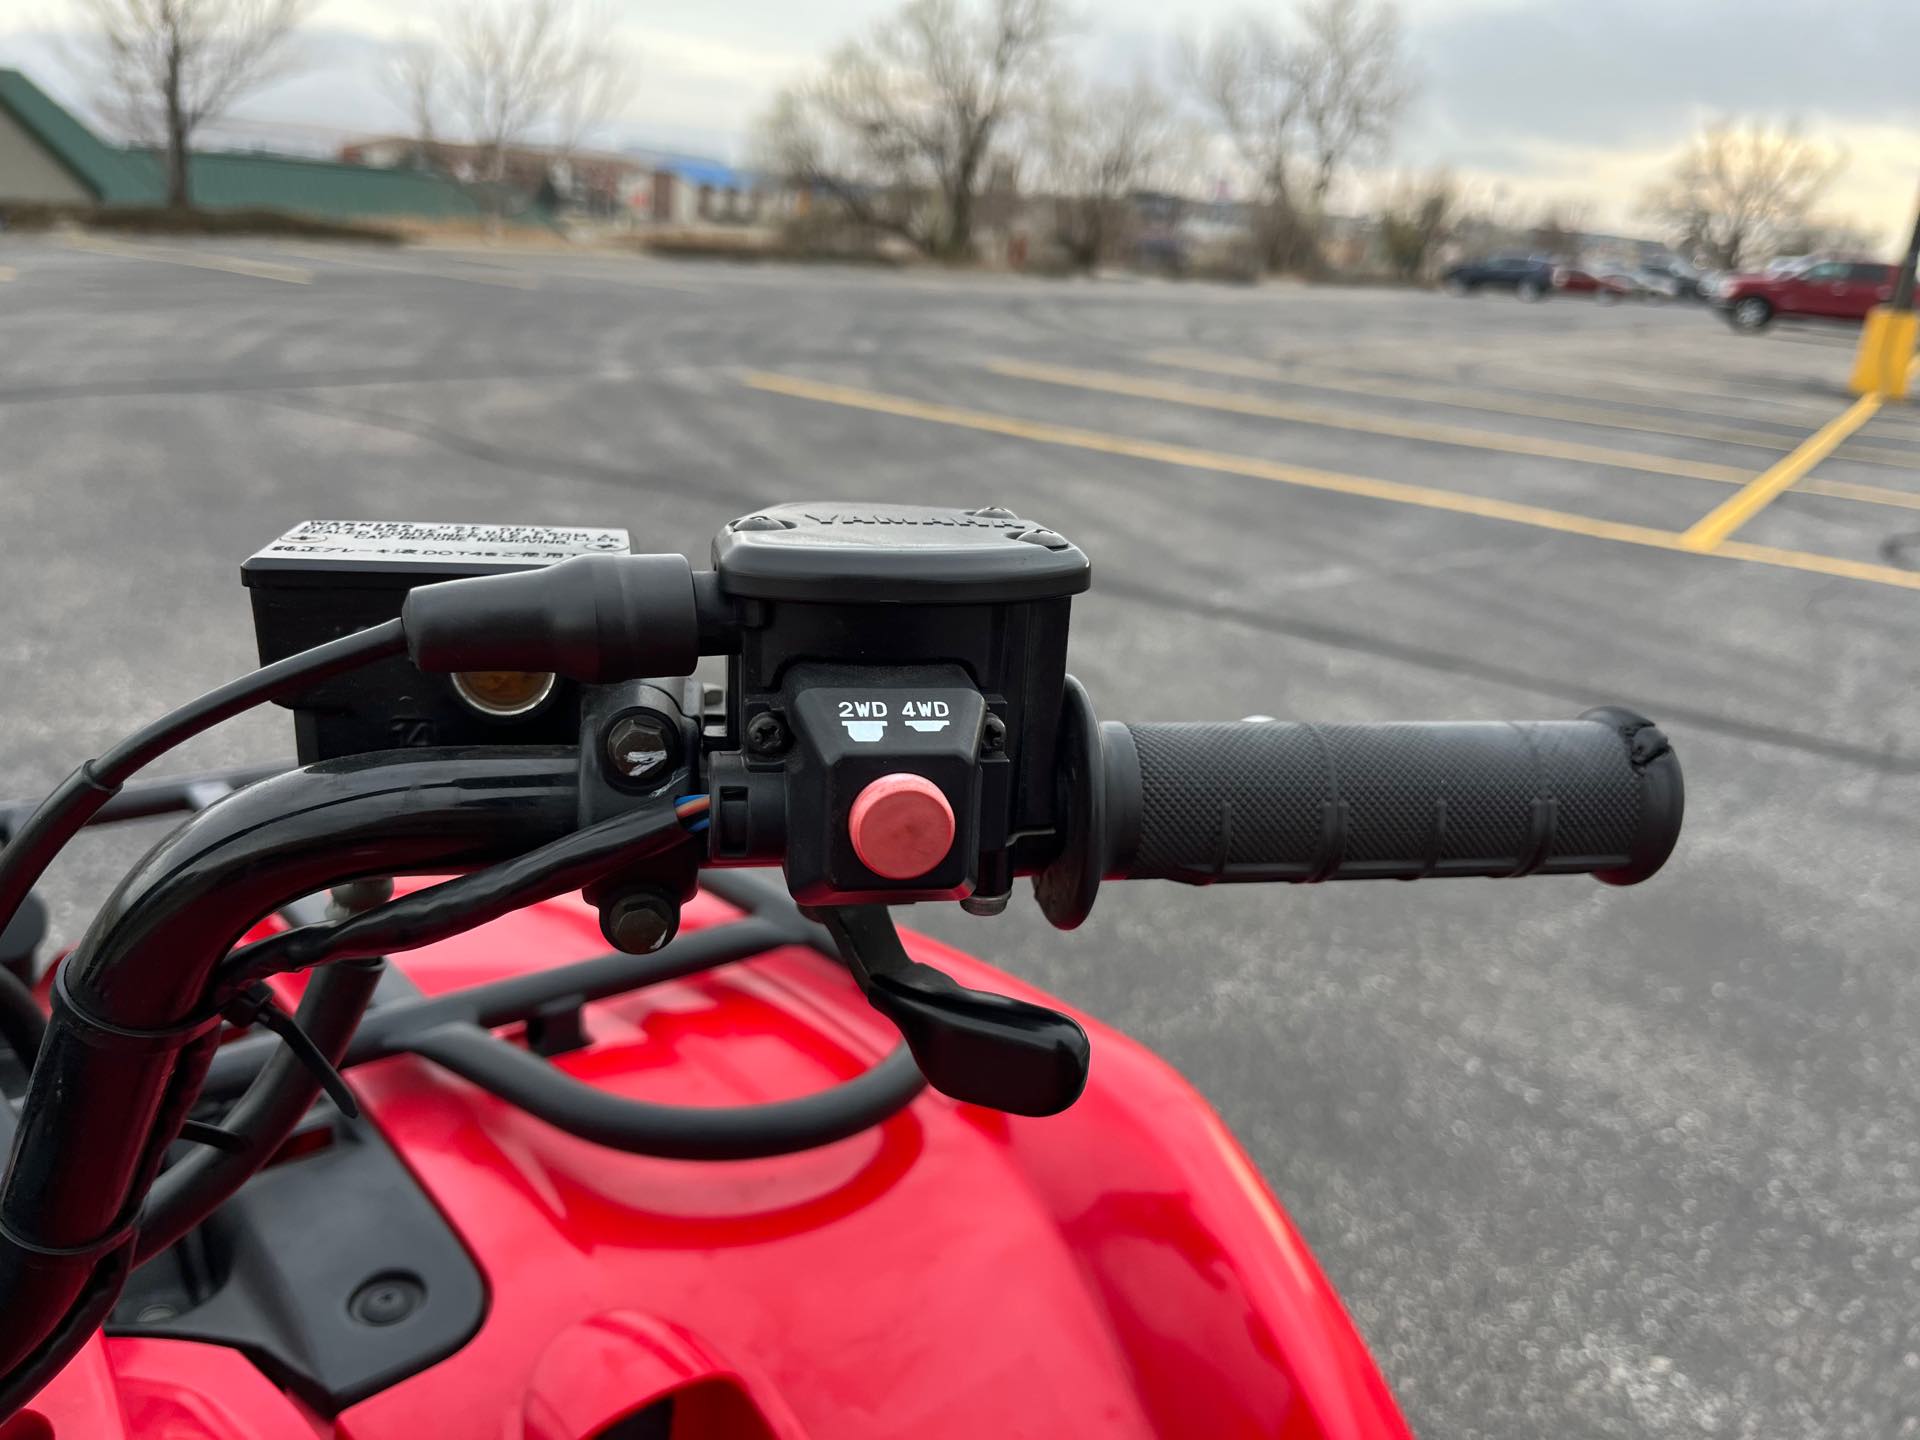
(1582, 1162)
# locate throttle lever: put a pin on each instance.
(973, 1045)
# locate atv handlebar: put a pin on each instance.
(872, 652)
(1252, 801)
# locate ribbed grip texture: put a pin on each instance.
(1270, 801)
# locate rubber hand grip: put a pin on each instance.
(1251, 801)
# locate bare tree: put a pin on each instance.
(1417, 220)
(1097, 146)
(1300, 111)
(1736, 191)
(177, 64)
(912, 110)
(520, 65)
(1353, 85)
(1246, 77)
(836, 188)
(1831, 234)
(415, 79)
(1560, 228)
(600, 89)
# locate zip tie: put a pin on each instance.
(256, 1005)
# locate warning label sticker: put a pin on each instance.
(426, 543)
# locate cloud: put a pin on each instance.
(1547, 99)
(1639, 71)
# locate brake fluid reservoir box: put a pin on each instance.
(328, 578)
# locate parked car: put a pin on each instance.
(1829, 290)
(1524, 275)
(1656, 284)
(1684, 281)
(1629, 284)
(1789, 264)
(1605, 289)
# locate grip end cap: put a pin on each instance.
(1663, 793)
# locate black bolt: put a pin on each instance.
(766, 734)
(387, 1299)
(993, 735)
(641, 923)
(639, 747)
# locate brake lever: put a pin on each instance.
(973, 1045)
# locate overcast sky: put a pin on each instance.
(1544, 99)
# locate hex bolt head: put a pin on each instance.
(993, 734)
(639, 748)
(766, 734)
(639, 924)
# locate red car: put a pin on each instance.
(1605, 289)
(1830, 290)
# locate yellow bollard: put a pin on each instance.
(1885, 358)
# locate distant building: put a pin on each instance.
(47, 156)
(693, 190)
(640, 187)
(585, 182)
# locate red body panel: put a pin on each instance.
(1575, 281)
(1119, 1270)
(1834, 290)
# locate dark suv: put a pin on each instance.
(1525, 276)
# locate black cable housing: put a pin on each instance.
(678, 1132)
(262, 1118)
(22, 1024)
(82, 795)
(454, 906)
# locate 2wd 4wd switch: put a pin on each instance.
(884, 785)
(901, 826)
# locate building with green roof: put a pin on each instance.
(47, 156)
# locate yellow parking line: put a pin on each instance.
(1870, 494)
(1398, 492)
(230, 264)
(1113, 384)
(1834, 489)
(1733, 512)
(1595, 385)
(1459, 399)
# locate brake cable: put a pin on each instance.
(79, 797)
(455, 906)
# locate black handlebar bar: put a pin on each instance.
(1251, 801)
(815, 603)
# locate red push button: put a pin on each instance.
(902, 826)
